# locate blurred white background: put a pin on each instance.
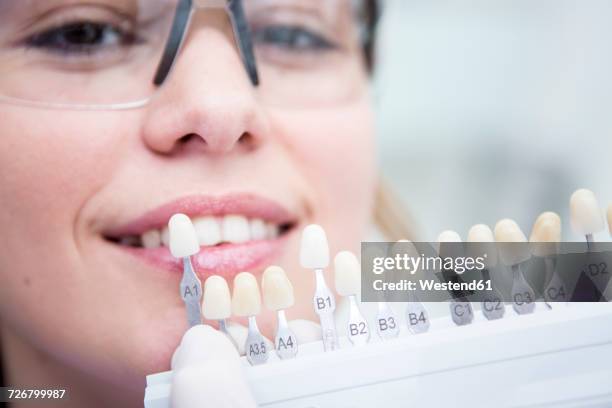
(495, 108)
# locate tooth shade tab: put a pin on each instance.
(585, 214)
(481, 241)
(246, 300)
(314, 249)
(448, 244)
(480, 233)
(277, 289)
(347, 274)
(449, 236)
(545, 234)
(217, 302)
(610, 218)
(183, 238)
(513, 248)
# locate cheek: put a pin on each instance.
(336, 151)
(53, 162)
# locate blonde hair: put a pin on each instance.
(391, 216)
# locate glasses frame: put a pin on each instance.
(180, 25)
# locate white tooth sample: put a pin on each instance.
(509, 234)
(183, 238)
(277, 289)
(449, 236)
(246, 300)
(258, 229)
(545, 234)
(208, 230)
(347, 274)
(235, 229)
(314, 250)
(165, 237)
(151, 239)
(482, 234)
(610, 218)
(217, 304)
(585, 212)
(444, 249)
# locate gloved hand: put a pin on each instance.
(208, 372)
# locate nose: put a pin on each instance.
(207, 104)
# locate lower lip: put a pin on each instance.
(226, 260)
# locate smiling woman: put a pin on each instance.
(100, 156)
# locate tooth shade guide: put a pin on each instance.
(314, 249)
(510, 238)
(347, 272)
(610, 218)
(246, 299)
(277, 289)
(481, 242)
(217, 302)
(545, 235)
(505, 348)
(585, 213)
(183, 239)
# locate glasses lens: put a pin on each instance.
(309, 53)
(90, 52)
(106, 52)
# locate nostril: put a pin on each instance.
(247, 140)
(185, 139)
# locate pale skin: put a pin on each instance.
(76, 312)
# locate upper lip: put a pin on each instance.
(246, 204)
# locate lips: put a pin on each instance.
(236, 233)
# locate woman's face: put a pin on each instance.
(80, 188)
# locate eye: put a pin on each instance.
(82, 37)
(291, 38)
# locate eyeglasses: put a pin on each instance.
(115, 54)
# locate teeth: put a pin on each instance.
(585, 213)
(482, 242)
(510, 237)
(130, 240)
(277, 289)
(545, 235)
(208, 230)
(258, 229)
(246, 300)
(314, 250)
(217, 302)
(347, 273)
(235, 229)
(165, 236)
(183, 239)
(271, 231)
(151, 239)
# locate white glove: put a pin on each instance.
(208, 372)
